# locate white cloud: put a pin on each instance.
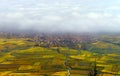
(76, 16)
(114, 8)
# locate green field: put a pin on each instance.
(19, 57)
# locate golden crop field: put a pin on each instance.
(19, 57)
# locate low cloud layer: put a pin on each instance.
(60, 15)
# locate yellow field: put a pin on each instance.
(20, 57)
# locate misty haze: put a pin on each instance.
(57, 15)
(59, 37)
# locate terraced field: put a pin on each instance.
(19, 57)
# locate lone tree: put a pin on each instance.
(94, 71)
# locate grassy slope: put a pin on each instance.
(36, 61)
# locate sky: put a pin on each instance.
(60, 15)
